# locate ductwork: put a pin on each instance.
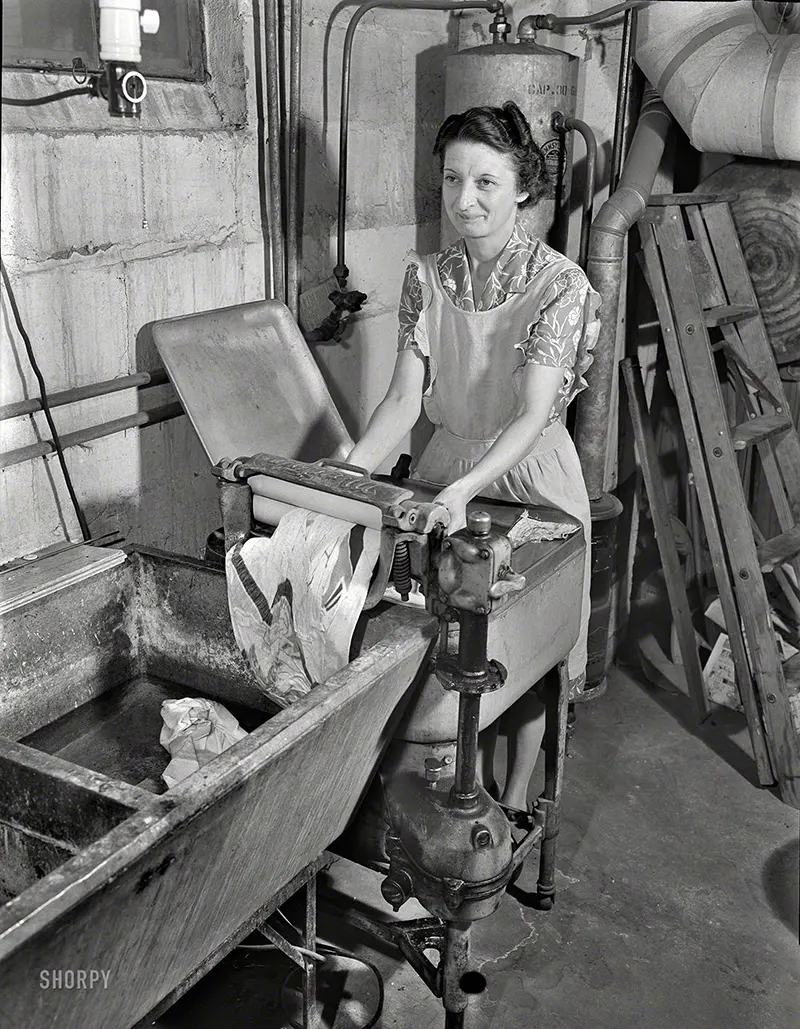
(728, 72)
(604, 268)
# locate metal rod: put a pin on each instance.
(454, 964)
(95, 389)
(623, 95)
(293, 141)
(74, 439)
(274, 121)
(341, 270)
(472, 644)
(464, 792)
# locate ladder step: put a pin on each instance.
(726, 314)
(780, 549)
(757, 429)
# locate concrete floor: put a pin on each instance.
(677, 908)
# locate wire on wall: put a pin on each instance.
(85, 531)
(50, 98)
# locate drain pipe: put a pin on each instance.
(604, 268)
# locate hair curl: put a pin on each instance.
(506, 130)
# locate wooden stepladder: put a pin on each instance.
(713, 332)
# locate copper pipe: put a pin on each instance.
(74, 439)
(341, 271)
(604, 268)
(138, 380)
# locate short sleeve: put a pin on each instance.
(565, 333)
(410, 309)
(556, 335)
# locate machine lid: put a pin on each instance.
(249, 383)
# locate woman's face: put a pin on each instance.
(480, 192)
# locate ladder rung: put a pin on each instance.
(780, 549)
(728, 313)
(757, 429)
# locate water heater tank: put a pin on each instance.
(540, 81)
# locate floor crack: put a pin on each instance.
(528, 938)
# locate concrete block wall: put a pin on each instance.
(107, 226)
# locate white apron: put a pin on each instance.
(474, 369)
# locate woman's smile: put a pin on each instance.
(480, 194)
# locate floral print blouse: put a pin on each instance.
(566, 330)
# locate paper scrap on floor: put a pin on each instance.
(295, 599)
(195, 731)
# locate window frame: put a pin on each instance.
(171, 68)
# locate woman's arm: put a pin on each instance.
(396, 414)
(538, 392)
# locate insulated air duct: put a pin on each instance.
(728, 72)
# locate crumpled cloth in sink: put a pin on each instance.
(295, 599)
(195, 731)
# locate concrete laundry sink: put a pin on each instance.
(100, 872)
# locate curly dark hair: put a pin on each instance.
(506, 130)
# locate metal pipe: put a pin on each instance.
(604, 269)
(566, 124)
(274, 121)
(74, 439)
(95, 389)
(551, 21)
(293, 140)
(623, 94)
(454, 965)
(341, 270)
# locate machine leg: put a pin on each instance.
(555, 743)
(310, 1012)
(455, 958)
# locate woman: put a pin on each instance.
(495, 334)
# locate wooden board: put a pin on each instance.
(670, 562)
(45, 575)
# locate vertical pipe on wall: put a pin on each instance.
(274, 121)
(293, 147)
(261, 136)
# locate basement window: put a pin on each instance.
(51, 35)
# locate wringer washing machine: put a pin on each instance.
(505, 594)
